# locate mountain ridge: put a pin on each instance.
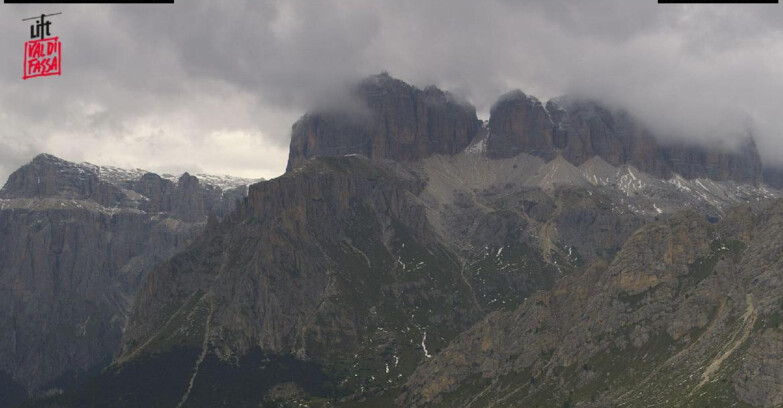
(576, 128)
(74, 247)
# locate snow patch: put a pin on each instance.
(424, 346)
(477, 148)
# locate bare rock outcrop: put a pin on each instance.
(581, 129)
(400, 123)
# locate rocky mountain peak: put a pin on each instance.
(404, 123)
(50, 176)
(519, 124)
(580, 129)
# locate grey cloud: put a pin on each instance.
(217, 85)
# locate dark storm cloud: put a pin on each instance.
(215, 86)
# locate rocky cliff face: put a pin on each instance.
(741, 164)
(186, 198)
(520, 124)
(49, 176)
(334, 263)
(682, 316)
(75, 244)
(773, 176)
(579, 130)
(401, 123)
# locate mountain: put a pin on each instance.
(581, 129)
(403, 123)
(76, 241)
(552, 257)
(400, 123)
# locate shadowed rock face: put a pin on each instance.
(585, 129)
(742, 164)
(580, 130)
(520, 124)
(188, 199)
(773, 176)
(317, 263)
(74, 248)
(401, 123)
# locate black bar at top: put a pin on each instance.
(717, 1)
(88, 1)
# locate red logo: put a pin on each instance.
(42, 57)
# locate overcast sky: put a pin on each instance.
(214, 86)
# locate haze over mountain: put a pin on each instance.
(559, 254)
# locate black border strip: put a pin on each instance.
(717, 1)
(88, 1)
